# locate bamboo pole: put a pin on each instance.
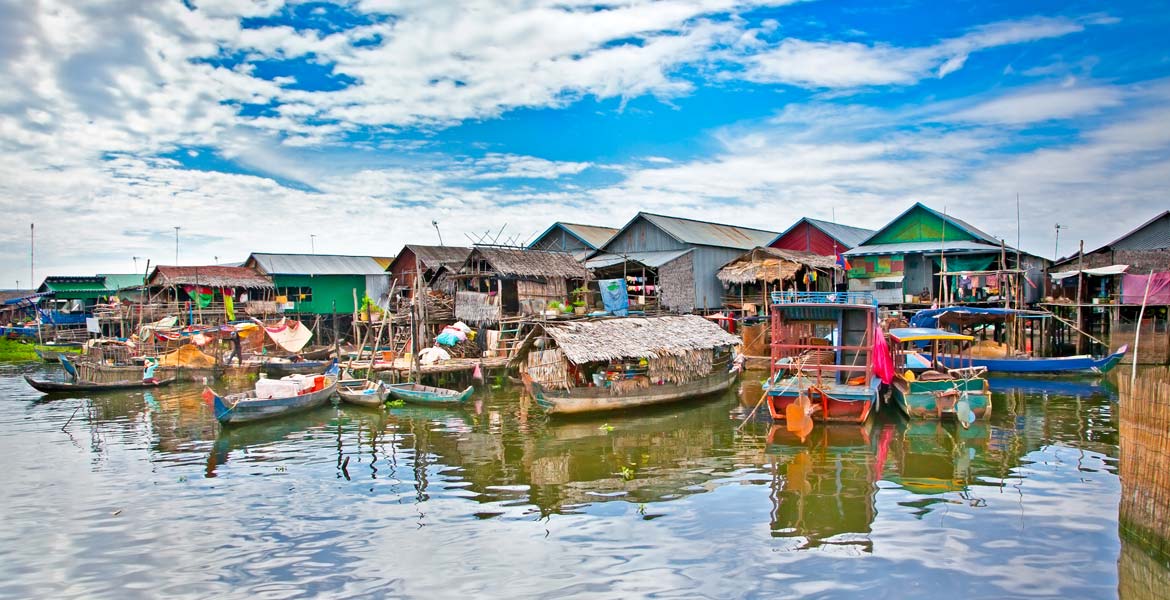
(1137, 333)
(1080, 286)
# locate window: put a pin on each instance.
(296, 294)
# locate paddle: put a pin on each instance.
(963, 413)
(798, 416)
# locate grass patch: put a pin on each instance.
(16, 351)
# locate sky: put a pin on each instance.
(354, 127)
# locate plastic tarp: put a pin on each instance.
(187, 356)
(966, 263)
(930, 318)
(1133, 289)
(1097, 272)
(883, 363)
(614, 296)
(290, 335)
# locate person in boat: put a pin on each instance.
(237, 353)
(148, 371)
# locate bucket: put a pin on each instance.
(388, 356)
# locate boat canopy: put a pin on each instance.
(924, 334)
(969, 315)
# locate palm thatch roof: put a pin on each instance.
(633, 337)
(523, 262)
(211, 276)
(771, 264)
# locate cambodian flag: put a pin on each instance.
(843, 262)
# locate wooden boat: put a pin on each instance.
(596, 399)
(837, 376)
(66, 387)
(936, 391)
(1061, 365)
(362, 392)
(278, 369)
(245, 407)
(416, 393)
(53, 352)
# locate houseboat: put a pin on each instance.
(620, 363)
(824, 347)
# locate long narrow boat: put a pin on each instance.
(1061, 365)
(938, 391)
(824, 346)
(416, 393)
(246, 407)
(67, 387)
(362, 392)
(53, 352)
(596, 399)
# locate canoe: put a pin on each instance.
(599, 399)
(416, 393)
(65, 387)
(245, 407)
(53, 352)
(363, 393)
(276, 370)
(1063, 365)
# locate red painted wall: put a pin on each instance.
(404, 269)
(806, 238)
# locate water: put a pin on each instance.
(140, 495)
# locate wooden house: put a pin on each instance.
(430, 261)
(672, 262)
(904, 262)
(1104, 289)
(321, 284)
(498, 282)
(216, 293)
(579, 240)
(820, 237)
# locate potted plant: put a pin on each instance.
(579, 295)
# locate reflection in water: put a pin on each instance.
(348, 501)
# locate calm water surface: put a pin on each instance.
(142, 495)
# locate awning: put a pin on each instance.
(1097, 272)
(650, 259)
(888, 279)
(29, 298)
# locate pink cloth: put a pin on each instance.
(883, 362)
(1133, 289)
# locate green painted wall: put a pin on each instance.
(919, 225)
(325, 290)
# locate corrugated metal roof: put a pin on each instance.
(316, 264)
(923, 247)
(434, 257)
(690, 231)
(594, 235)
(650, 259)
(1151, 235)
(846, 234)
(71, 283)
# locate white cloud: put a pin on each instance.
(1041, 104)
(836, 64)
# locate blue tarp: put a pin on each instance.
(930, 317)
(614, 296)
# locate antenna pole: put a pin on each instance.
(31, 254)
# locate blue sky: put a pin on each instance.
(255, 124)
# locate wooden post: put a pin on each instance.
(1080, 286)
(1137, 333)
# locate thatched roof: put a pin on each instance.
(771, 264)
(522, 262)
(211, 276)
(633, 337)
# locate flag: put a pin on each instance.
(843, 262)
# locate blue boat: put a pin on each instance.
(955, 316)
(1062, 365)
(245, 407)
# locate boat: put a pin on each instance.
(596, 399)
(248, 406)
(933, 390)
(1022, 364)
(416, 393)
(277, 368)
(824, 347)
(1033, 365)
(624, 363)
(362, 392)
(53, 352)
(66, 387)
